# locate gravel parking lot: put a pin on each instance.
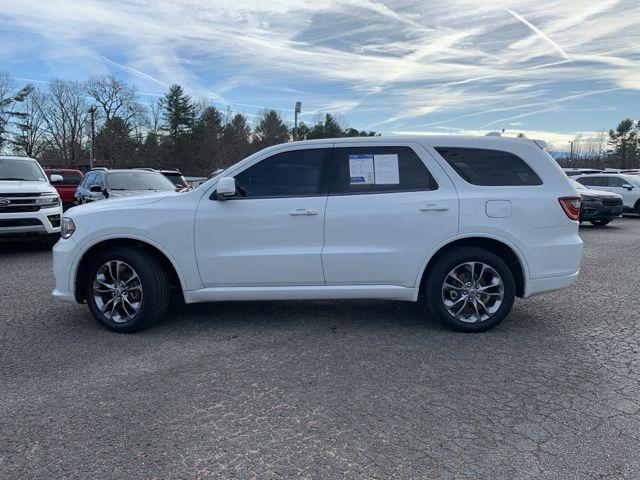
(325, 389)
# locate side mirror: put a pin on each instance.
(225, 188)
(55, 178)
(627, 186)
(95, 189)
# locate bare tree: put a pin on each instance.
(64, 112)
(114, 97)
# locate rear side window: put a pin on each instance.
(361, 170)
(71, 178)
(298, 173)
(485, 167)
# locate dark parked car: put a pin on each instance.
(597, 206)
(67, 187)
(101, 183)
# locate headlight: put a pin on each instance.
(48, 200)
(67, 227)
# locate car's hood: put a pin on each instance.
(123, 201)
(131, 193)
(15, 186)
(598, 193)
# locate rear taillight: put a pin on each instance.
(571, 206)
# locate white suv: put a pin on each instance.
(29, 205)
(467, 223)
(625, 185)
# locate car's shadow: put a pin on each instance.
(22, 246)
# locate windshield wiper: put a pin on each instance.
(18, 179)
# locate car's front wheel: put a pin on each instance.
(127, 289)
(470, 289)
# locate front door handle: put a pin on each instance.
(303, 211)
(432, 207)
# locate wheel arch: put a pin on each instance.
(169, 265)
(509, 253)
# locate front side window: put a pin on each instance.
(615, 182)
(298, 173)
(362, 170)
(21, 170)
(89, 179)
(485, 167)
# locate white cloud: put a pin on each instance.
(392, 63)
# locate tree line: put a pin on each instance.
(617, 148)
(53, 125)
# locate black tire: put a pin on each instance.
(449, 261)
(154, 282)
(600, 223)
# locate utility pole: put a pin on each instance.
(571, 155)
(92, 126)
(295, 121)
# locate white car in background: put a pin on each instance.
(625, 185)
(464, 223)
(29, 205)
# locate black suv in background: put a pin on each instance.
(101, 183)
(598, 206)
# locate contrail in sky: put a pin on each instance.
(540, 33)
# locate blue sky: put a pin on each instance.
(550, 69)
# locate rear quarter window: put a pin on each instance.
(489, 167)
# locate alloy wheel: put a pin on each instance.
(472, 292)
(117, 291)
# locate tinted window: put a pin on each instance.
(592, 181)
(71, 178)
(176, 178)
(615, 182)
(489, 167)
(99, 179)
(89, 179)
(380, 170)
(297, 173)
(139, 180)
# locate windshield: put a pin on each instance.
(15, 169)
(139, 180)
(635, 181)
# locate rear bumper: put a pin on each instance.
(536, 286)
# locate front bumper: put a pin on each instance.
(63, 258)
(44, 222)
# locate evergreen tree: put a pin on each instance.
(624, 140)
(178, 112)
(207, 136)
(114, 146)
(271, 130)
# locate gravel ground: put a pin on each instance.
(348, 389)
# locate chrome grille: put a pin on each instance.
(18, 202)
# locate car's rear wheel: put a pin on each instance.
(600, 223)
(470, 289)
(127, 289)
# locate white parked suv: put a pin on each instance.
(625, 185)
(466, 223)
(29, 205)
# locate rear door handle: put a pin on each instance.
(303, 211)
(432, 207)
